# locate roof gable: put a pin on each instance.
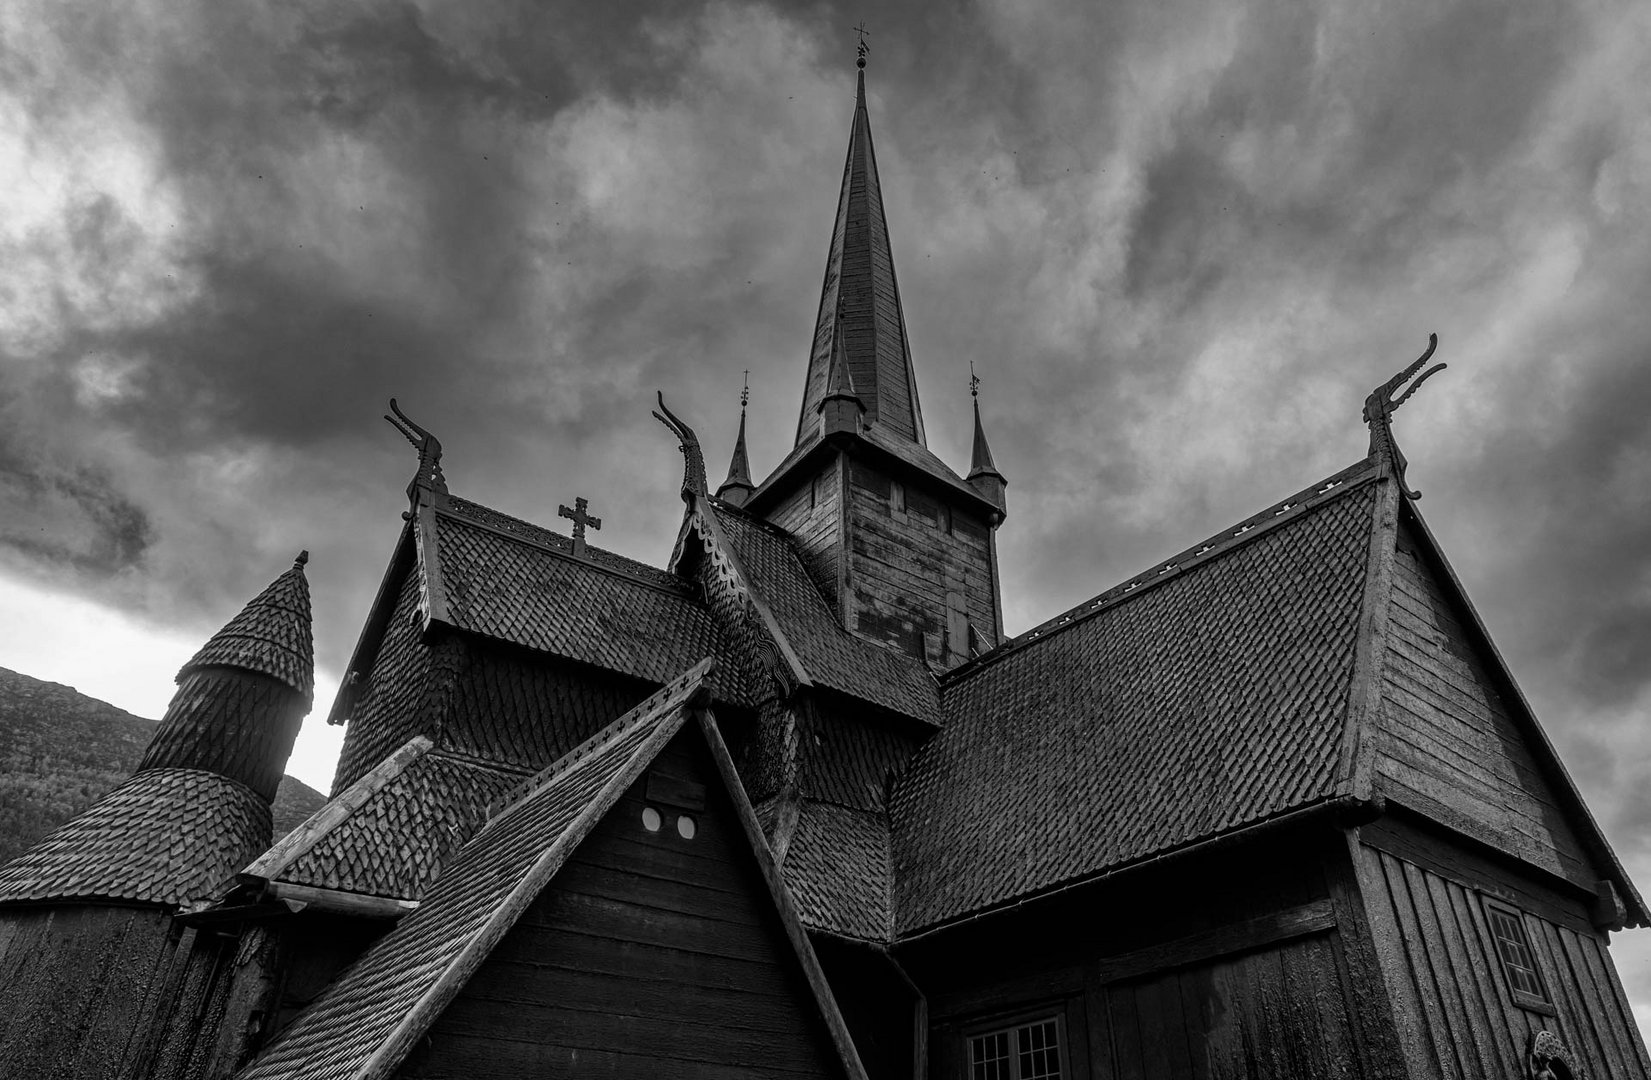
(365, 1023)
(1210, 694)
(1451, 736)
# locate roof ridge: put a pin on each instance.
(460, 513)
(1229, 539)
(685, 687)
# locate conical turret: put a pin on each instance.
(241, 698)
(841, 409)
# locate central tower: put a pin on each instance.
(902, 546)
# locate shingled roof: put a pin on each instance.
(837, 868)
(1211, 694)
(270, 636)
(830, 655)
(389, 833)
(165, 836)
(504, 578)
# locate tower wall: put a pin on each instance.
(229, 721)
(921, 570)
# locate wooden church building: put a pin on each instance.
(793, 805)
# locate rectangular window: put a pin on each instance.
(1029, 1051)
(1513, 949)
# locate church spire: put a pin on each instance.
(860, 302)
(738, 487)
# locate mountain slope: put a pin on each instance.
(60, 750)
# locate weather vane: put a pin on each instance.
(974, 381)
(862, 48)
(745, 393)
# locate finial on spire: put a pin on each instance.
(745, 392)
(1380, 406)
(862, 48)
(974, 384)
(303, 557)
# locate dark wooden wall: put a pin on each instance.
(908, 550)
(75, 984)
(1231, 967)
(811, 515)
(647, 956)
(1456, 1014)
(1448, 746)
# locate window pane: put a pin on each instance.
(1040, 1057)
(989, 1056)
(1514, 950)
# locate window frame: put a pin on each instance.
(1013, 1022)
(1541, 1003)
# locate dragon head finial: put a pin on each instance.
(693, 460)
(429, 452)
(1380, 406)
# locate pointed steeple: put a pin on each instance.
(241, 698)
(841, 409)
(738, 487)
(984, 476)
(860, 303)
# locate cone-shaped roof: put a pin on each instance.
(860, 303)
(739, 468)
(980, 462)
(271, 635)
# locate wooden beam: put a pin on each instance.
(1312, 918)
(365, 905)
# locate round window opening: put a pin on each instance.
(650, 819)
(685, 827)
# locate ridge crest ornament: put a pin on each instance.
(429, 451)
(1380, 406)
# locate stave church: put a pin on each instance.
(793, 805)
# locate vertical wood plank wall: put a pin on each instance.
(100, 964)
(809, 514)
(647, 956)
(1456, 1015)
(903, 562)
(1448, 746)
(1278, 1012)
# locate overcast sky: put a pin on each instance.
(1179, 242)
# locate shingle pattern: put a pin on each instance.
(519, 591)
(831, 655)
(555, 541)
(1212, 699)
(467, 910)
(399, 700)
(398, 840)
(165, 836)
(231, 722)
(848, 760)
(271, 635)
(837, 869)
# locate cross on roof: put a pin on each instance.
(580, 519)
(862, 48)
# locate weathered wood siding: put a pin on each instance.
(647, 956)
(811, 515)
(1456, 1015)
(1233, 968)
(908, 551)
(1448, 746)
(76, 985)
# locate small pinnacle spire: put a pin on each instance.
(738, 487)
(984, 476)
(270, 636)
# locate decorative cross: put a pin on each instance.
(862, 48)
(580, 519)
(745, 394)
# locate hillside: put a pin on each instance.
(60, 750)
